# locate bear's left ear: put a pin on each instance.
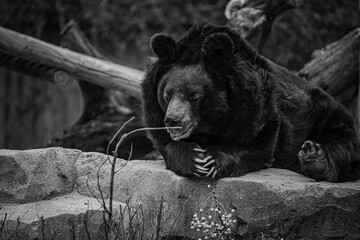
(163, 45)
(218, 46)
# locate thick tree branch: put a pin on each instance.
(335, 68)
(36, 70)
(99, 72)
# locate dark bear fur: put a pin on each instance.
(238, 112)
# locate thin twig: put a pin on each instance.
(91, 192)
(42, 227)
(85, 222)
(108, 209)
(115, 155)
(116, 134)
(99, 187)
(2, 226)
(158, 220)
(178, 215)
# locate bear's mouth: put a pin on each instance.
(178, 134)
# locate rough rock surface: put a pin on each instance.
(36, 174)
(271, 203)
(58, 218)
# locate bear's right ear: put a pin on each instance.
(163, 45)
(218, 46)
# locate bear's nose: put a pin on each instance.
(172, 121)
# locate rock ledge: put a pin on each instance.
(53, 187)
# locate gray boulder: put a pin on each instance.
(268, 204)
(60, 218)
(271, 203)
(37, 174)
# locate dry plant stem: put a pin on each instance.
(17, 227)
(2, 226)
(113, 164)
(85, 223)
(42, 227)
(177, 216)
(115, 156)
(121, 215)
(158, 220)
(73, 234)
(143, 223)
(108, 210)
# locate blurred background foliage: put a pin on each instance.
(32, 110)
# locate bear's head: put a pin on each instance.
(192, 93)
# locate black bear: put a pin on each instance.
(229, 111)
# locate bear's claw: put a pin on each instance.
(199, 150)
(204, 170)
(201, 168)
(209, 163)
(213, 172)
(198, 160)
(197, 175)
(202, 165)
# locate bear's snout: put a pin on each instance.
(172, 121)
(177, 113)
(179, 120)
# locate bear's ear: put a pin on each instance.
(218, 46)
(163, 45)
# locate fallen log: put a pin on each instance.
(335, 68)
(97, 71)
(104, 113)
(36, 70)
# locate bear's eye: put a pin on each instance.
(195, 98)
(166, 97)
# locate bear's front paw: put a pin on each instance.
(205, 167)
(180, 158)
(314, 162)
